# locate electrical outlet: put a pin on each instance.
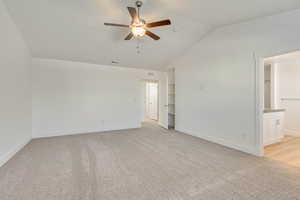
(244, 135)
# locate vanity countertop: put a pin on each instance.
(271, 110)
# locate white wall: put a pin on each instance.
(216, 79)
(15, 91)
(72, 97)
(288, 76)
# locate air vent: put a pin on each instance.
(114, 62)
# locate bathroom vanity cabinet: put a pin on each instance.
(273, 126)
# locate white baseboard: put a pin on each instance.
(77, 132)
(274, 141)
(6, 157)
(291, 132)
(250, 150)
(163, 125)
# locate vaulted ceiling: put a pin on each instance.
(73, 29)
(289, 58)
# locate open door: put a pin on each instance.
(152, 100)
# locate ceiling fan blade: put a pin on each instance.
(159, 23)
(119, 25)
(129, 36)
(152, 35)
(133, 13)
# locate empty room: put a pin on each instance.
(149, 100)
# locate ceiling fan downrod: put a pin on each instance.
(138, 4)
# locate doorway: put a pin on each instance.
(280, 108)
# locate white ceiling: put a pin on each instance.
(74, 30)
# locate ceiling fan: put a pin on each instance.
(138, 25)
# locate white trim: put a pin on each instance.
(291, 132)
(224, 142)
(70, 133)
(159, 123)
(6, 157)
(274, 141)
(259, 103)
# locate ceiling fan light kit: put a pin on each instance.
(138, 26)
(138, 29)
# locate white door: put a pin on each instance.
(153, 101)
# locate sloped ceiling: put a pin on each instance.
(289, 58)
(73, 29)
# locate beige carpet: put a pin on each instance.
(143, 164)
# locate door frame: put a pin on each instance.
(259, 97)
(259, 102)
(158, 96)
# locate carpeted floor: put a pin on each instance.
(142, 164)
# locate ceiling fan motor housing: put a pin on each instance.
(138, 4)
